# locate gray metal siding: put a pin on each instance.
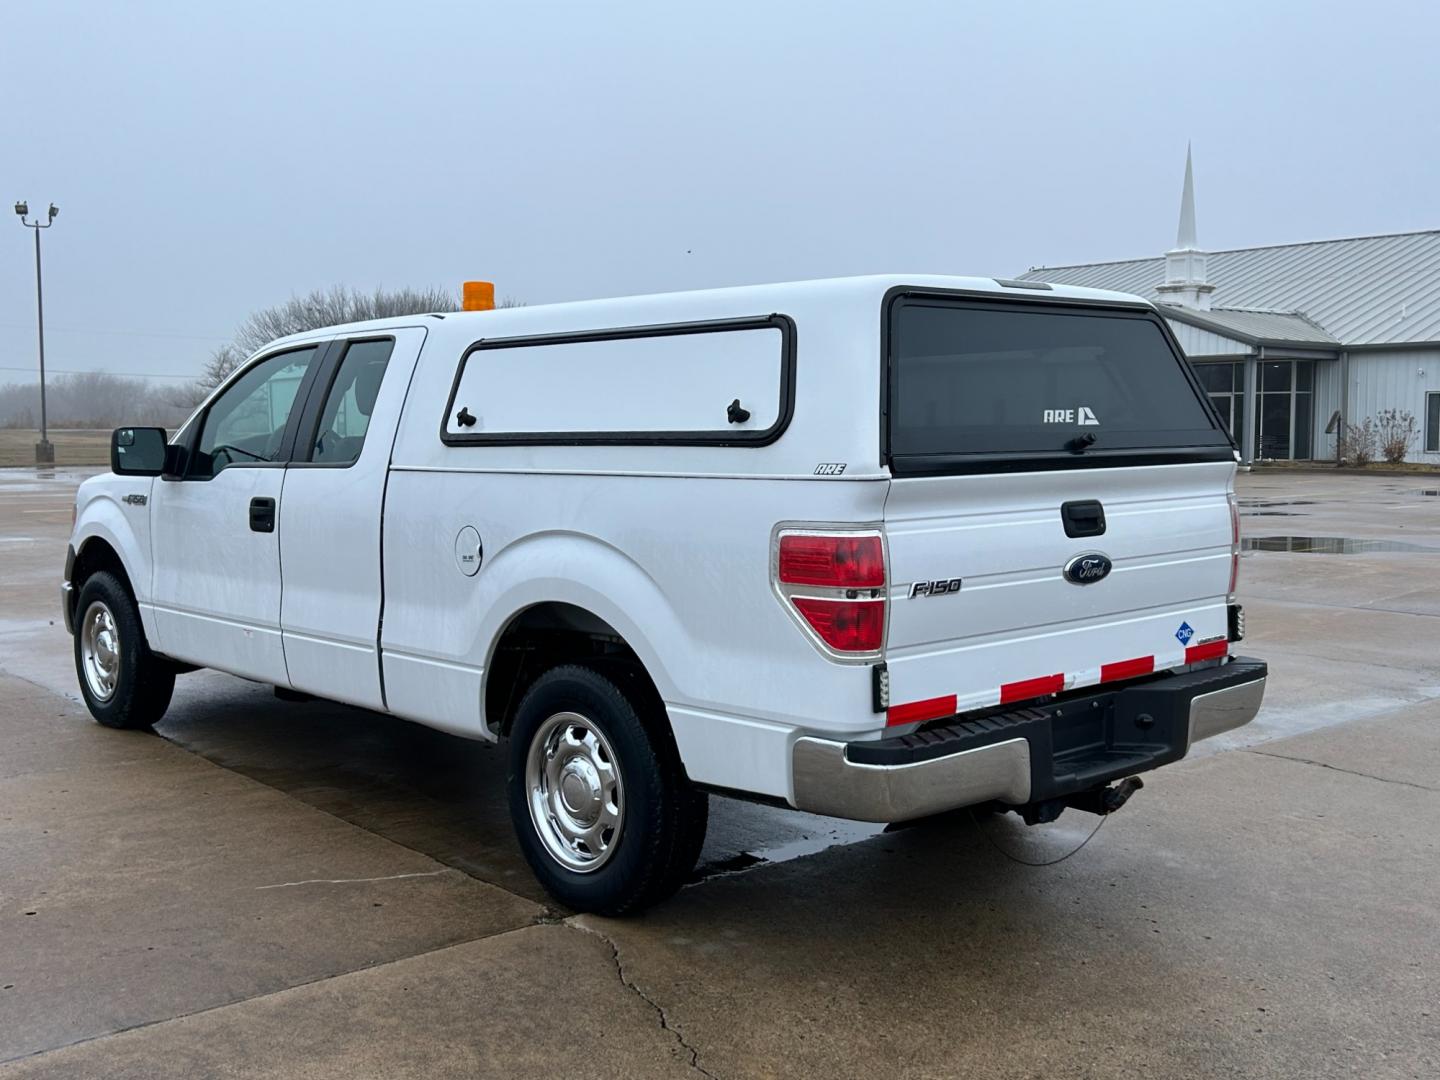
(1197, 342)
(1392, 379)
(1327, 400)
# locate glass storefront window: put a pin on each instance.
(1304, 415)
(1274, 433)
(1216, 378)
(1275, 376)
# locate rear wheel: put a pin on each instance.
(601, 805)
(124, 684)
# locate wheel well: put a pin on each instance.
(553, 633)
(96, 555)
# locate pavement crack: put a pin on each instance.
(1339, 769)
(660, 1014)
(356, 880)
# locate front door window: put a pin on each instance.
(245, 425)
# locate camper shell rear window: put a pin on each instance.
(980, 385)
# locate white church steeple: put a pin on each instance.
(1185, 274)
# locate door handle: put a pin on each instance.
(262, 515)
(1083, 518)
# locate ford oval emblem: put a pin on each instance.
(1088, 568)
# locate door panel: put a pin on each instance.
(217, 582)
(330, 520)
(216, 565)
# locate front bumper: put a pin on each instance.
(1030, 754)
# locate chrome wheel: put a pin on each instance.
(575, 793)
(100, 651)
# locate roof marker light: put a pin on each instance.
(477, 296)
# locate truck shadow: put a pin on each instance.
(432, 792)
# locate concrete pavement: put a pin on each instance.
(205, 904)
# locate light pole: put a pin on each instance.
(44, 450)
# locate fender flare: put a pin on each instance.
(103, 520)
(536, 570)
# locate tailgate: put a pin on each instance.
(1017, 627)
(1060, 510)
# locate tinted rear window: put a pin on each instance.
(995, 380)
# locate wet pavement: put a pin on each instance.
(1328, 545)
(288, 889)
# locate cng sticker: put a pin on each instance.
(1185, 633)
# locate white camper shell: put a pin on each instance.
(875, 547)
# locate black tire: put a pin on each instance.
(663, 815)
(142, 682)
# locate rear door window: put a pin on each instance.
(345, 417)
(971, 380)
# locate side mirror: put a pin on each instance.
(138, 451)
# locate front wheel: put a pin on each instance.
(601, 805)
(124, 684)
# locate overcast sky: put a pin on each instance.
(212, 158)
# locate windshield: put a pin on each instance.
(971, 378)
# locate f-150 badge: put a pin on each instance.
(935, 588)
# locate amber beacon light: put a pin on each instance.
(478, 296)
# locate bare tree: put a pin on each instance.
(330, 307)
(1395, 432)
(97, 399)
(222, 362)
(1357, 443)
(93, 399)
(320, 308)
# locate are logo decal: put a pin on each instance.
(830, 468)
(1081, 414)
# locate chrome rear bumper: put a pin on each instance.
(1172, 713)
(827, 782)
(1224, 710)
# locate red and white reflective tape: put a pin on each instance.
(937, 708)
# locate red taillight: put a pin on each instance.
(1234, 545)
(833, 562)
(845, 625)
(834, 585)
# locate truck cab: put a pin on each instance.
(873, 547)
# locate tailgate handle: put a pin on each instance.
(1083, 518)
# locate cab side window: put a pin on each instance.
(345, 416)
(246, 424)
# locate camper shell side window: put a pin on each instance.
(727, 382)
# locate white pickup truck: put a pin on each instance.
(876, 548)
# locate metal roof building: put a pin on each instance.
(1287, 336)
